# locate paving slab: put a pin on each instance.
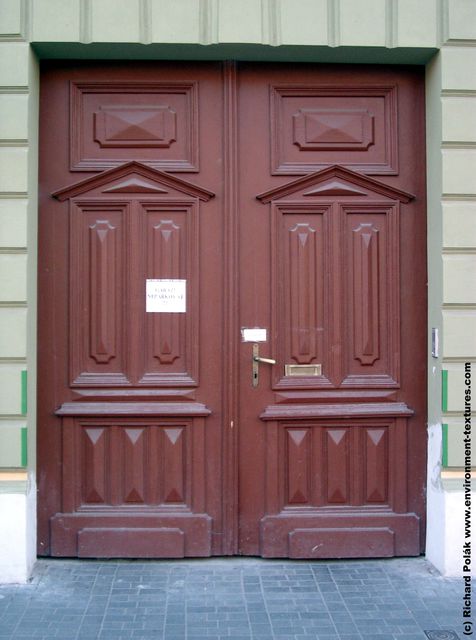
(226, 598)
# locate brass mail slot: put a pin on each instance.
(303, 369)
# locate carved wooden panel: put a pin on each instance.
(165, 239)
(316, 126)
(173, 439)
(337, 465)
(331, 129)
(134, 443)
(120, 465)
(117, 245)
(366, 292)
(98, 288)
(298, 458)
(303, 275)
(376, 465)
(94, 482)
(102, 241)
(170, 250)
(340, 465)
(371, 268)
(113, 122)
(301, 288)
(147, 126)
(335, 281)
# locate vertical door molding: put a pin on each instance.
(231, 329)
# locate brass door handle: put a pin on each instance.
(266, 360)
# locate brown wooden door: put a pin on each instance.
(184, 207)
(332, 265)
(130, 400)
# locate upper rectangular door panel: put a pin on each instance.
(155, 122)
(315, 124)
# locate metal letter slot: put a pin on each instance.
(302, 370)
(256, 360)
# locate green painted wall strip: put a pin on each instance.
(24, 447)
(444, 390)
(444, 456)
(24, 396)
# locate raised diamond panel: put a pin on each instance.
(329, 129)
(337, 465)
(298, 462)
(376, 465)
(152, 126)
(134, 452)
(93, 477)
(174, 454)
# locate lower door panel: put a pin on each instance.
(337, 488)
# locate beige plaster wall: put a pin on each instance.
(458, 242)
(403, 23)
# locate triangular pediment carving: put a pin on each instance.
(135, 185)
(334, 181)
(335, 188)
(133, 177)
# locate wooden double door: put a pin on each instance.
(232, 310)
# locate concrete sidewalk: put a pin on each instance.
(395, 599)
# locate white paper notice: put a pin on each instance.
(253, 335)
(166, 296)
